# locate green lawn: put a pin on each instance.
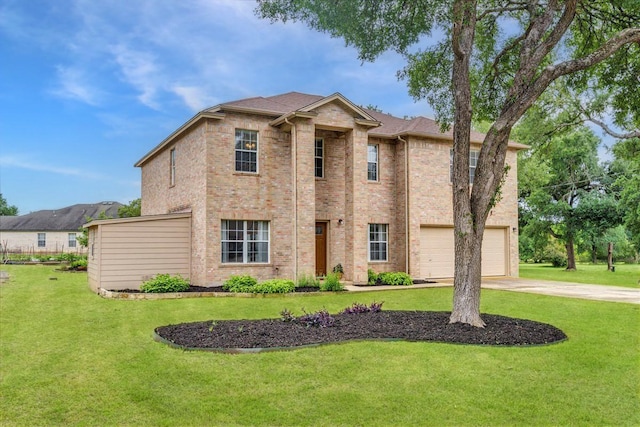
(69, 357)
(627, 275)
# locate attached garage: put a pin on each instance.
(437, 252)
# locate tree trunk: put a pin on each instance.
(610, 257)
(594, 253)
(467, 237)
(571, 255)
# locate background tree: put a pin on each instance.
(627, 155)
(132, 209)
(494, 62)
(5, 209)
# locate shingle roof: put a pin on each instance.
(279, 106)
(66, 219)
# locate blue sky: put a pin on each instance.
(88, 87)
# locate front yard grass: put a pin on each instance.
(627, 275)
(69, 357)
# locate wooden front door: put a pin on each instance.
(321, 248)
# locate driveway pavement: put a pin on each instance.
(516, 284)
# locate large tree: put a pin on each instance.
(494, 62)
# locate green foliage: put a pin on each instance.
(240, 284)
(308, 281)
(132, 209)
(5, 209)
(331, 283)
(248, 284)
(79, 264)
(165, 283)
(274, 286)
(372, 277)
(395, 279)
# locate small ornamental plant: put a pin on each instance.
(331, 283)
(244, 283)
(163, 283)
(357, 308)
(274, 286)
(395, 279)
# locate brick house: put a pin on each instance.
(294, 184)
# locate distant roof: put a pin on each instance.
(70, 218)
(285, 105)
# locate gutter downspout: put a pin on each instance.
(406, 203)
(294, 167)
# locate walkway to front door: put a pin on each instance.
(321, 249)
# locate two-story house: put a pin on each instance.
(295, 184)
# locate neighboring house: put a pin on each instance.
(294, 184)
(50, 231)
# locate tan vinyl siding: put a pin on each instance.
(130, 251)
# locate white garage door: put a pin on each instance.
(437, 252)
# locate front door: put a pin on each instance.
(321, 249)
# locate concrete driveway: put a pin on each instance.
(516, 284)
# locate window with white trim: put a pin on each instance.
(246, 150)
(372, 162)
(245, 242)
(72, 240)
(378, 238)
(42, 240)
(473, 162)
(319, 158)
(172, 167)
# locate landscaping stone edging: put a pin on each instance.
(178, 295)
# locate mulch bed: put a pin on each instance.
(242, 335)
(192, 288)
(368, 285)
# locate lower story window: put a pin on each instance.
(378, 238)
(42, 240)
(245, 241)
(72, 240)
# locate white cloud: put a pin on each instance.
(73, 84)
(195, 97)
(15, 162)
(140, 70)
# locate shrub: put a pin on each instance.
(357, 308)
(372, 277)
(320, 318)
(395, 279)
(331, 283)
(165, 283)
(240, 284)
(79, 264)
(274, 286)
(308, 281)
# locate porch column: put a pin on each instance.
(356, 209)
(304, 197)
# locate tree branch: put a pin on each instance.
(607, 129)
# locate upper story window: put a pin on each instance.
(72, 240)
(246, 150)
(378, 238)
(319, 158)
(172, 167)
(245, 241)
(372, 162)
(42, 240)
(473, 162)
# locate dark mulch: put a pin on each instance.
(214, 289)
(227, 335)
(378, 283)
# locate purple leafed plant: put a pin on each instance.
(357, 308)
(320, 318)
